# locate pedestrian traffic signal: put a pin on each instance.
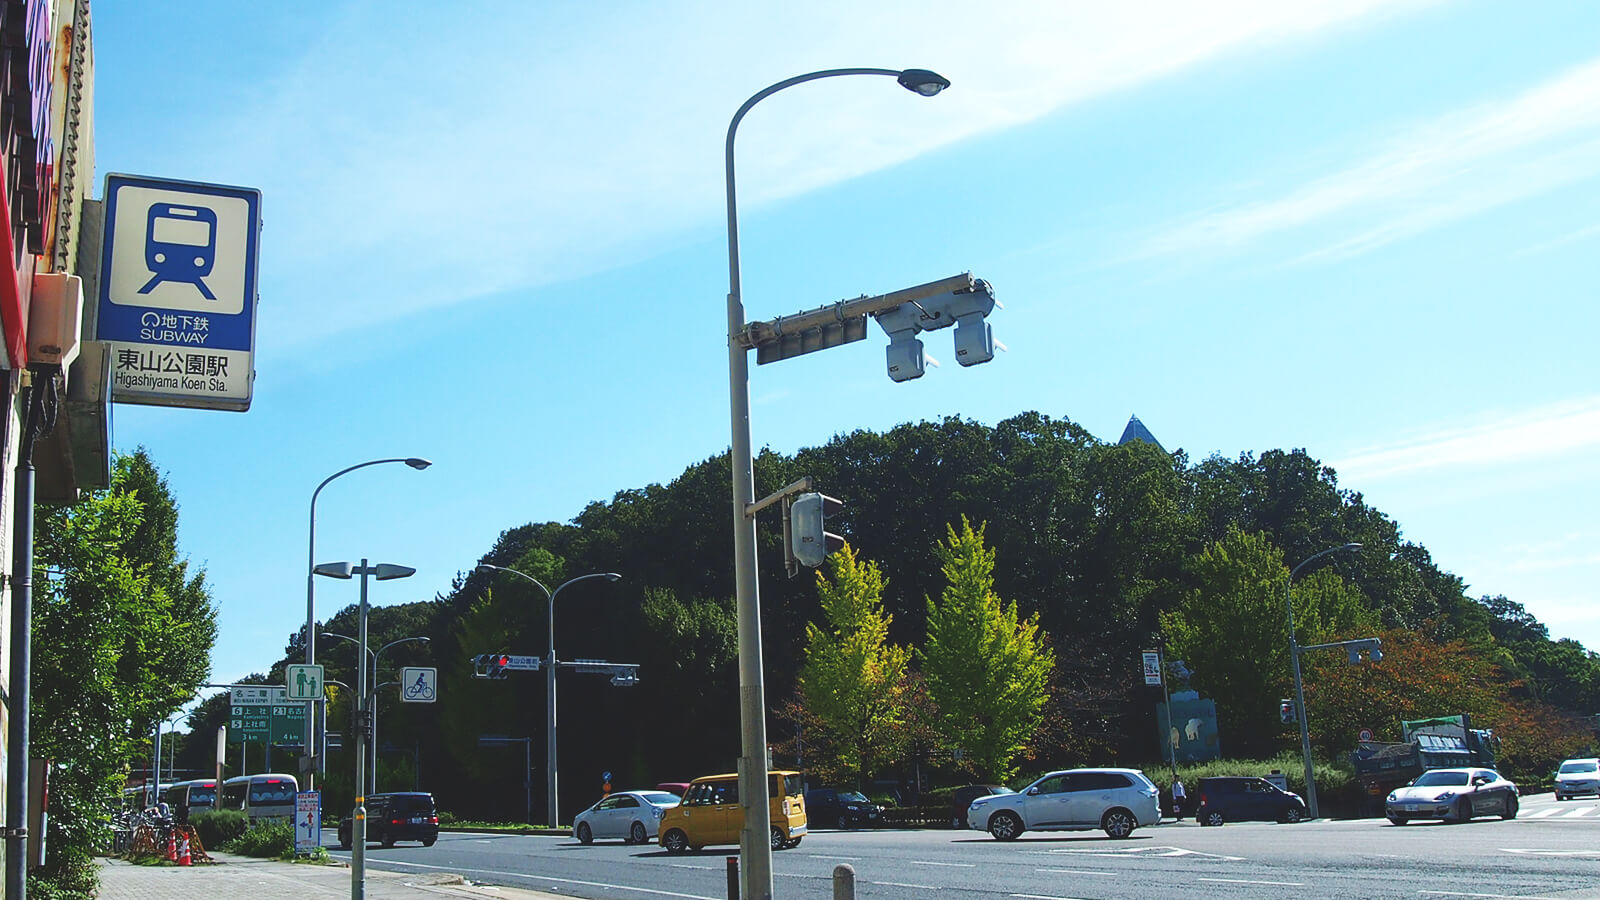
(967, 309)
(809, 540)
(1286, 711)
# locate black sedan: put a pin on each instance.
(1453, 795)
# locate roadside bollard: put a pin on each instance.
(844, 882)
(733, 878)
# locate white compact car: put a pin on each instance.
(1578, 776)
(634, 816)
(1115, 801)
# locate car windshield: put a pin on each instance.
(1441, 779)
(1569, 768)
(857, 796)
(660, 798)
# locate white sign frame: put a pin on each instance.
(419, 684)
(290, 673)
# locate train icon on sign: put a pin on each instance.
(180, 245)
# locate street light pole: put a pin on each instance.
(358, 826)
(1299, 685)
(312, 731)
(372, 784)
(755, 850)
(552, 810)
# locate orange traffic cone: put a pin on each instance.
(172, 848)
(183, 851)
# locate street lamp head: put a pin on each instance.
(612, 576)
(418, 463)
(923, 81)
(485, 567)
(1351, 546)
(335, 569)
(386, 571)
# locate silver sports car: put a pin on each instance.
(1454, 795)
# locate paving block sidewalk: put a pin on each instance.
(261, 879)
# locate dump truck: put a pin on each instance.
(1445, 742)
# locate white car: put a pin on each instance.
(634, 816)
(1578, 776)
(1114, 800)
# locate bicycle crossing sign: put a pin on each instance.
(305, 682)
(419, 684)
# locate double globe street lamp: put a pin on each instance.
(552, 810)
(372, 701)
(754, 847)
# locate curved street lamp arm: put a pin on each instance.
(733, 126)
(540, 584)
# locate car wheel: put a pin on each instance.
(1293, 815)
(344, 839)
(675, 841)
(1117, 823)
(1212, 817)
(1398, 820)
(428, 842)
(1460, 814)
(1560, 797)
(778, 840)
(583, 833)
(1005, 826)
(792, 843)
(1510, 810)
(636, 834)
(388, 842)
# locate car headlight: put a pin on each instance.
(1446, 795)
(1394, 798)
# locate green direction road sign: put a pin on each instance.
(305, 682)
(264, 714)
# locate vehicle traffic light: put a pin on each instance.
(491, 665)
(809, 540)
(1286, 711)
(968, 310)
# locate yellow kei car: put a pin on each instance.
(710, 813)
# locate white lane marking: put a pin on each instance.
(598, 884)
(1545, 813)
(924, 862)
(1143, 851)
(920, 887)
(850, 858)
(1043, 897)
(688, 866)
(1074, 872)
(1543, 852)
(1248, 881)
(1496, 895)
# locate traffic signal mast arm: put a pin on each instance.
(837, 323)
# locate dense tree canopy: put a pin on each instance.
(1108, 545)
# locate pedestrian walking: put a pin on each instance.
(1179, 798)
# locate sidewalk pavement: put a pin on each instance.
(265, 879)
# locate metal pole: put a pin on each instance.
(358, 829)
(1299, 684)
(554, 811)
(754, 846)
(1172, 745)
(18, 742)
(527, 779)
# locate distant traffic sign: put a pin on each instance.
(304, 682)
(264, 714)
(419, 684)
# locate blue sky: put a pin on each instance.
(494, 238)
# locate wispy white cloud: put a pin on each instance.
(1448, 169)
(410, 162)
(1539, 434)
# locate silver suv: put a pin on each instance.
(1114, 800)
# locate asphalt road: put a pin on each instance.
(1551, 850)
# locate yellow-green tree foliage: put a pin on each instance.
(987, 668)
(1232, 631)
(852, 679)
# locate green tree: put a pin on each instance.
(853, 678)
(122, 635)
(987, 668)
